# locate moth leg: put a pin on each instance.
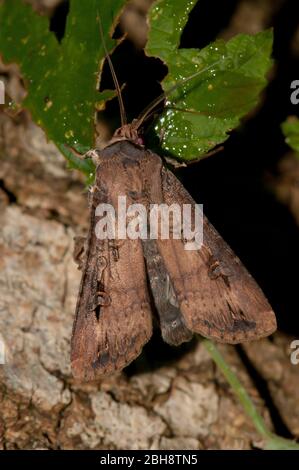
(217, 269)
(162, 134)
(93, 196)
(175, 163)
(78, 252)
(114, 248)
(101, 266)
(94, 154)
(101, 299)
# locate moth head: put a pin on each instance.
(127, 132)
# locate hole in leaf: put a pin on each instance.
(58, 19)
(207, 19)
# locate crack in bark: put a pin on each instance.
(12, 198)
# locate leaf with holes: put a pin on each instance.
(61, 78)
(228, 78)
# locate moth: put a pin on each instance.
(206, 291)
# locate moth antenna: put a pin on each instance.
(147, 112)
(123, 116)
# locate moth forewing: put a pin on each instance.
(218, 298)
(113, 315)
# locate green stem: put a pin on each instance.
(78, 163)
(272, 441)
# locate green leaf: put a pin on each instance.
(290, 129)
(61, 79)
(229, 78)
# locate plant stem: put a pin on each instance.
(272, 441)
(78, 163)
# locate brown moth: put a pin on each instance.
(207, 291)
